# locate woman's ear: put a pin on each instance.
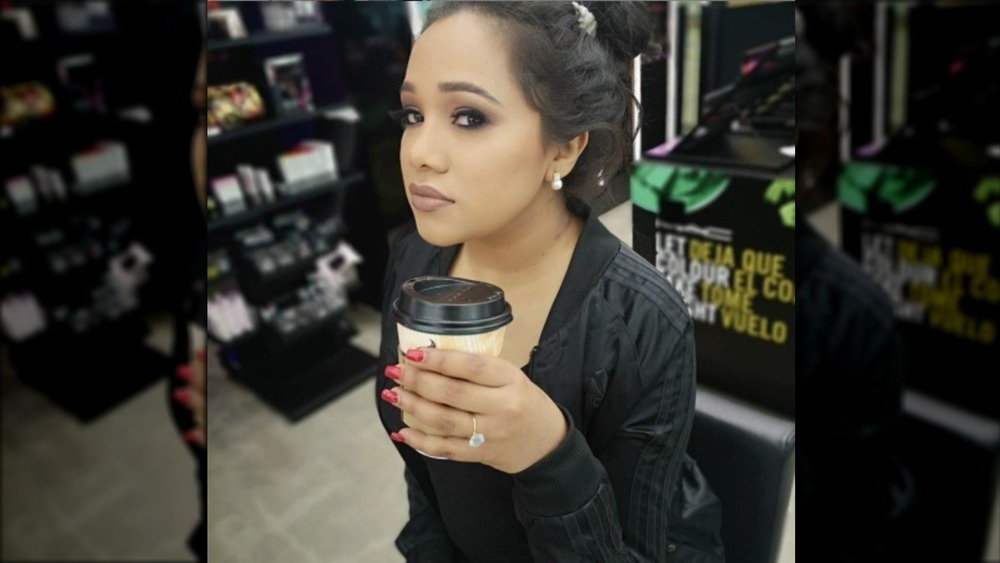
(567, 153)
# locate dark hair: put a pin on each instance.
(576, 82)
(815, 89)
(830, 30)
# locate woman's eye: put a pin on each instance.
(405, 117)
(469, 119)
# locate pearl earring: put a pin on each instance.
(556, 181)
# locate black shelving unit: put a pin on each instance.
(319, 187)
(88, 368)
(265, 125)
(263, 38)
(300, 372)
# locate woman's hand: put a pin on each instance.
(444, 388)
(192, 396)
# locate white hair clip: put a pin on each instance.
(586, 19)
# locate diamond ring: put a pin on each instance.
(477, 438)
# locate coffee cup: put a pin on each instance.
(451, 314)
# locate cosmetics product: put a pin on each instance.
(263, 179)
(22, 194)
(249, 183)
(230, 196)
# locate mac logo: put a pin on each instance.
(432, 345)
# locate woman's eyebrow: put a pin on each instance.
(455, 87)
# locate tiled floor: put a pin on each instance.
(328, 489)
(121, 488)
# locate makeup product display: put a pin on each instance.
(102, 163)
(128, 271)
(88, 197)
(85, 17)
(81, 80)
(338, 269)
(283, 16)
(18, 22)
(229, 195)
(21, 193)
(300, 310)
(289, 82)
(307, 160)
(229, 316)
(26, 101)
(735, 271)
(276, 234)
(232, 105)
(21, 316)
(225, 24)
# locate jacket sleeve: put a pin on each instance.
(577, 506)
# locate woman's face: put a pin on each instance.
(469, 135)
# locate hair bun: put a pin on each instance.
(624, 28)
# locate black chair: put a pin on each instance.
(953, 456)
(748, 456)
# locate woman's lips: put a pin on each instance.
(426, 198)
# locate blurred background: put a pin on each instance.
(897, 303)
(847, 295)
(98, 223)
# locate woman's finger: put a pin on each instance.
(444, 419)
(477, 368)
(453, 449)
(195, 436)
(452, 391)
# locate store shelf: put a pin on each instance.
(323, 186)
(79, 198)
(263, 38)
(296, 393)
(100, 186)
(257, 127)
(114, 350)
(61, 41)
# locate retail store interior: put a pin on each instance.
(304, 197)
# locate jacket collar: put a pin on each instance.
(594, 251)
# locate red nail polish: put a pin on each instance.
(182, 397)
(397, 437)
(393, 372)
(185, 372)
(201, 355)
(415, 355)
(389, 396)
(191, 436)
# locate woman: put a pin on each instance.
(512, 112)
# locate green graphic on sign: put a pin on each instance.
(898, 186)
(988, 193)
(694, 189)
(782, 193)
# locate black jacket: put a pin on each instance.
(852, 484)
(617, 355)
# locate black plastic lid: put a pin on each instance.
(452, 306)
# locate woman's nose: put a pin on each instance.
(425, 147)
